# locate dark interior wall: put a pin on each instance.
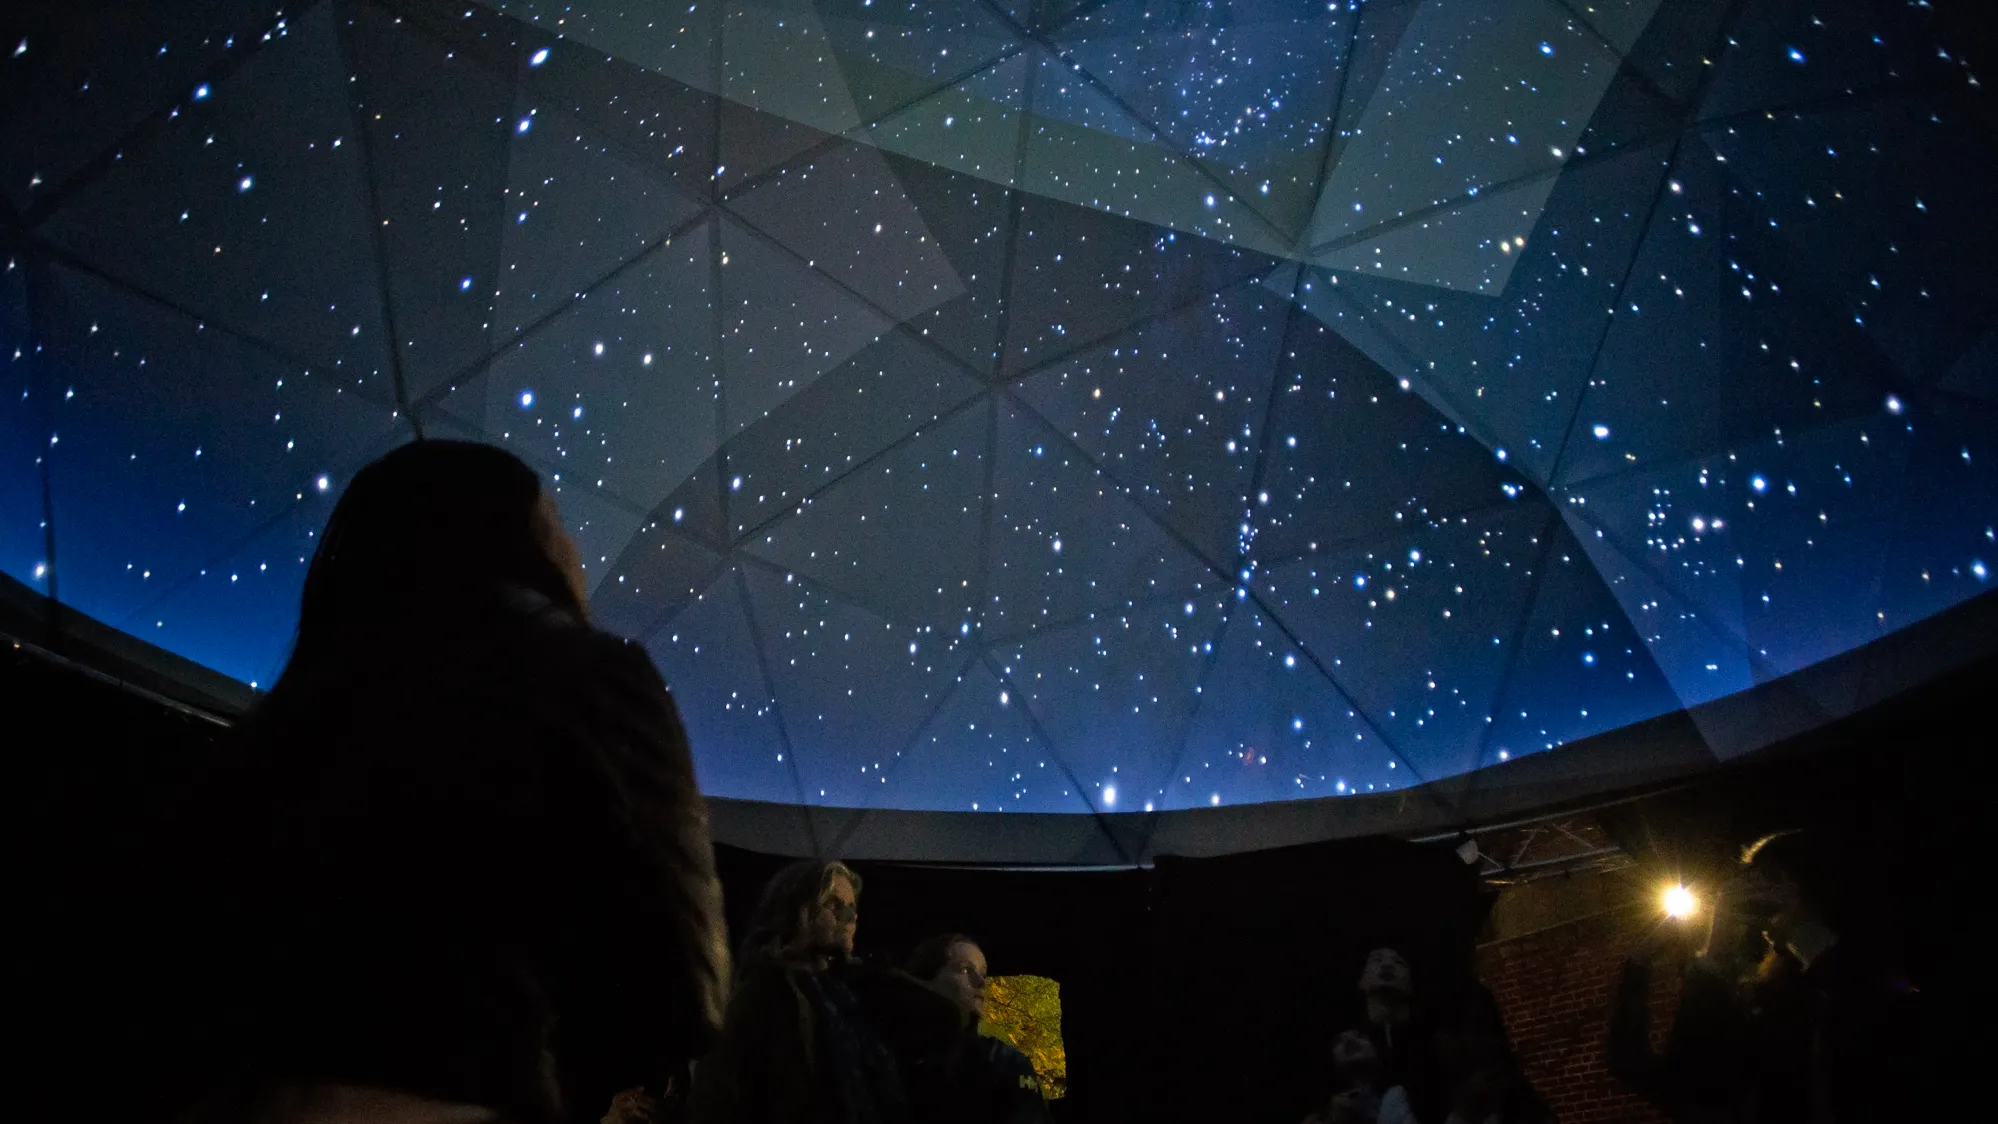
(1259, 954)
(96, 782)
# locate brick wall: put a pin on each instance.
(1554, 987)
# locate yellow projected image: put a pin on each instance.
(1025, 1012)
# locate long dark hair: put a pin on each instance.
(337, 950)
(417, 536)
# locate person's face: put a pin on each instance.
(962, 977)
(1774, 967)
(1386, 971)
(836, 920)
(1353, 1054)
(1777, 982)
(1764, 891)
(560, 548)
(1767, 903)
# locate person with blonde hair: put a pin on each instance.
(812, 1036)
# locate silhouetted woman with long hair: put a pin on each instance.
(462, 859)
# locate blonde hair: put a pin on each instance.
(775, 925)
(837, 869)
(1754, 850)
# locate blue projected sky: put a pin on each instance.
(1039, 405)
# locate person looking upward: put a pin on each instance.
(457, 858)
(801, 1044)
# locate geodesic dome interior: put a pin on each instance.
(1036, 406)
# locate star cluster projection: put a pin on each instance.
(1052, 405)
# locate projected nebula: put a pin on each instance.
(1036, 405)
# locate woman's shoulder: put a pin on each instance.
(605, 654)
(506, 682)
(545, 648)
(1002, 1056)
(762, 975)
(535, 619)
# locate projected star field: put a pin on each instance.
(1073, 406)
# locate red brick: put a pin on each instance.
(1554, 989)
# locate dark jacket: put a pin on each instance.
(975, 1079)
(817, 1047)
(1412, 1058)
(475, 867)
(1839, 1043)
(1704, 1071)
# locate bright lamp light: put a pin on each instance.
(1679, 902)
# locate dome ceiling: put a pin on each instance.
(1037, 406)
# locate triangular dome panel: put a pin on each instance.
(1183, 433)
(981, 754)
(250, 208)
(708, 656)
(1270, 727)
(1419, 629)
